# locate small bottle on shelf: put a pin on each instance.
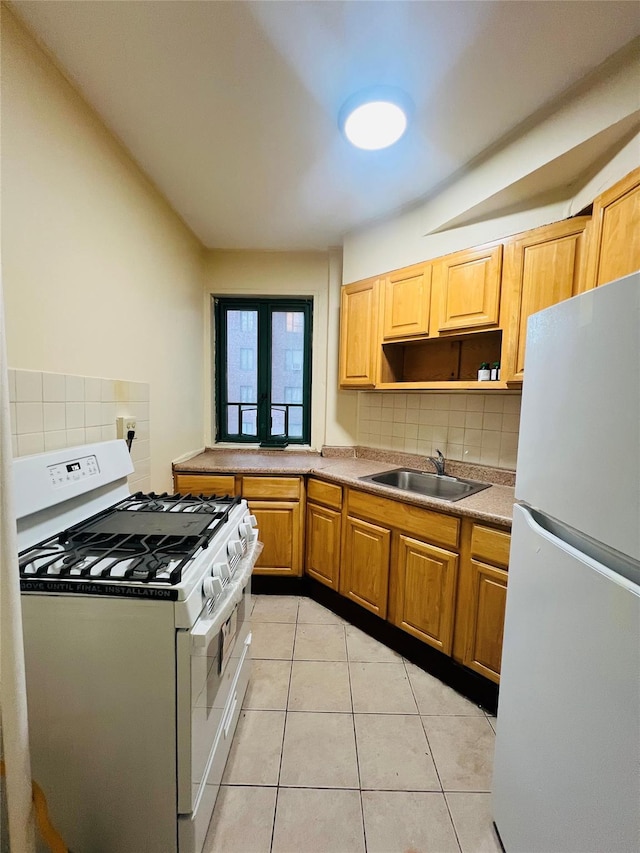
(484, 373)
(495, 370)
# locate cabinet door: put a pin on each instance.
(323, 544)
(407, 302)
(425, 589)
(364, 575)
(205, 484)
(483, 651)
(279, 531)
(614, 243)
(359, 334)
(467, 287)
(541, 268)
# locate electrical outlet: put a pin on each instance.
(124, 426)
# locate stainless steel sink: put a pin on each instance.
(431, 485)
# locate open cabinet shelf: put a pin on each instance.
(447, 363)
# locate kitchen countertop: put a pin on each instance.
(493, 505)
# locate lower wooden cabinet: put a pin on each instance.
(323, 530)
(423, 582)
(364, 576)
(276, 502)
(279, 523)
(449, 592)
(481, 598)
(483, 651)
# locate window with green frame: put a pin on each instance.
(263, 370)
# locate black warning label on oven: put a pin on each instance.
(62, 587)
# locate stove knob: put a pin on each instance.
(247, 531)
(234, 549)
(250, 520)
(212, 587)
(220, 571)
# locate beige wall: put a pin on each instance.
(315, 274)
(100, 277)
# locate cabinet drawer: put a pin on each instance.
(423, 523)
(490, 545)
(271, 487)
(205, 484)
(325, 493)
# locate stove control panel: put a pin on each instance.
(65, 473)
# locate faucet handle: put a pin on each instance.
(438, 462)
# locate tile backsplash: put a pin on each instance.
(50, 411)
(480, 428)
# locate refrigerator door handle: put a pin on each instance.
(619, 567)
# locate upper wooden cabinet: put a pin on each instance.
(614, 244)
(431, 325)
(359, 334)
(407, 303)
(467, 289)
(541, 267)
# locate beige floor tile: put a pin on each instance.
(462, 748)
(275, 608)
(319, 686)
(393, 753)
(320, 642)
(315, 614)
(381, 688)
(255, 752)
(242, 820)
(319, 751)
(272, 640)
(403, 822)
(434, 697)
(473, 821)
(311, 820)
(268, 685)
(361, 647)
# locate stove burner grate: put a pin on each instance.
(144, 538)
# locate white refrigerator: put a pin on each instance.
(567, 760)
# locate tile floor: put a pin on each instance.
(344, 747)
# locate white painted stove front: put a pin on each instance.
(131, 719)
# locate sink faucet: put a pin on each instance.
(438, 462)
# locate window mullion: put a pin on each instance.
(264, 372)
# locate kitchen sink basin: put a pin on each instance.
(431, 485)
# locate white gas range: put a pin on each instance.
(137, 646)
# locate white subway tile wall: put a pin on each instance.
(481, 428)
(50, 411)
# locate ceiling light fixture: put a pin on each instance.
(375, 118)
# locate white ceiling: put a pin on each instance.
(231, 107)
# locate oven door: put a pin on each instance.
(213, 672)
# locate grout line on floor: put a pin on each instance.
(284, 732)
(355, 739)
(442, 791)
